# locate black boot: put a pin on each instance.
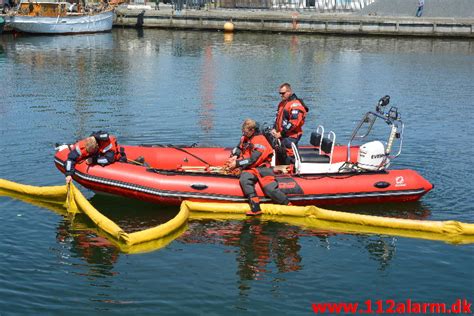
(254, 206)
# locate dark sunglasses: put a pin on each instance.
(282, 93)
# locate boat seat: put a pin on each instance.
(316, 137)
(322, 152)
(316, 160)
(313, 157)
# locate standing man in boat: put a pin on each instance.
(253, 155)
(288, 127)
(99, 148)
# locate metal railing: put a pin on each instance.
(313, 5)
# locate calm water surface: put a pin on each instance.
(185, 87)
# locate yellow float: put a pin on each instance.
(69, 200)
(229, 27)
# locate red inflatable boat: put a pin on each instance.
(324, 173)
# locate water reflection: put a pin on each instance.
(228, 38)
(301, 47)
(294, 46)
(208, 84)
(132, 215)
(139, 32)
(412, 210)
(22, 48)
(187, 44)
(74, 77)
(99, 253)
(77, 238)
(267, 249)
(381, 249)
(260, 246)
(264, 249)
(260, 243)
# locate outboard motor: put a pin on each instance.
(372, 156)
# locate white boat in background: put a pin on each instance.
(61, 18)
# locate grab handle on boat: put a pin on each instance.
(393, 134)
(199, 186)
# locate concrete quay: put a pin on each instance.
(293, 21)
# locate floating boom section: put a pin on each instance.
(307, 217)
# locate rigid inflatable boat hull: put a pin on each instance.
(165, 185)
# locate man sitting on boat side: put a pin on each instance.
(99, 148)
(289, 120)
(253, 155)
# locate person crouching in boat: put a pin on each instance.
(99, 148)
(253, 155)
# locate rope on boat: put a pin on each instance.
(57, 197)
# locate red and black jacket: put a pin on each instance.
(253, 152)
(107, 152)
(290, 117)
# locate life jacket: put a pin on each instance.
(290, 117)
(109, 145)
(106, 145)
(80, 148)
(259, 143)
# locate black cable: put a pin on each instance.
(192, 155)
(180, 148)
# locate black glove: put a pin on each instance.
(236, 152)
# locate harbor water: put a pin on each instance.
(185, 87)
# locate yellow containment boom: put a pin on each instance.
(72, 200)
(312, 217)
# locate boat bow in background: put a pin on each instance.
(61, 18)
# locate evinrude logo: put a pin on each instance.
(378, 156)
(400, 182)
